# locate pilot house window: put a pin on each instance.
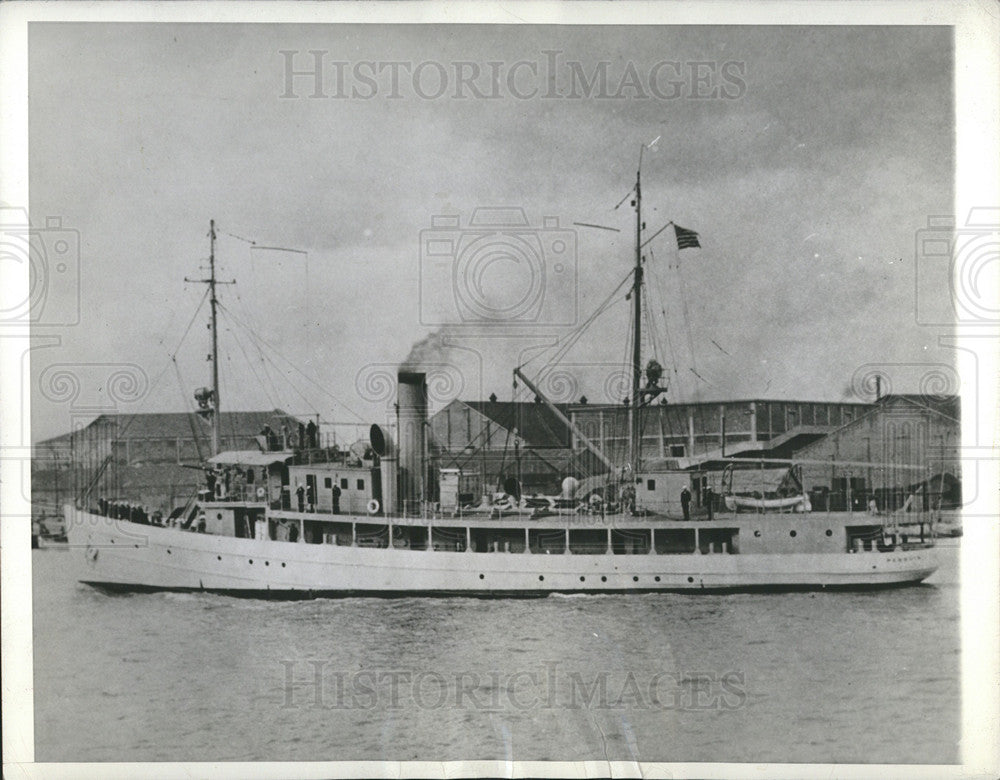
(650, 484)
(343, 484)
(361, 484)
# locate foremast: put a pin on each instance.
(212, 403)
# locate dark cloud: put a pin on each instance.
(805, 190)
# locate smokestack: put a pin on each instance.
(411, 401)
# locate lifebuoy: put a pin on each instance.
(261, 493)
(374, 507)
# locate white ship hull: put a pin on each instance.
(121, 555)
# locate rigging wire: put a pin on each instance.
(171, 357)
(292, 386)
(666, 325)
(238, 238)
(577, 332)
(239, 343)
(651, 325)
(561, 353)
(687, 317)
(702, 378)
(188, 412)
(627, 194)
(263, 361)
(292, 365)
(666, 416)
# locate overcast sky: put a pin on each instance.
(807, 160)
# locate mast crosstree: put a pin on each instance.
(213, 398)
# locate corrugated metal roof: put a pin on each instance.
(536, 424)
(159, 425)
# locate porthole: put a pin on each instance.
(251, 561)
(635, 579)
(169, 553)
(829, 532)
(267, 563)
(657, 578)
(690, 579)
(112, 541)
(793, 534)
(603, 578)
(282, 566)
(583, 579)
(757, 534)
(482, 576)
(541, 577)
(218, 515)
(218, 557)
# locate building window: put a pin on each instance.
(343, 484)
(650, 484)
(361, 484)
(327, 482)
(677, 450)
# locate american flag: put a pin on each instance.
(686, 238)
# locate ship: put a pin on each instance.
(292, 520)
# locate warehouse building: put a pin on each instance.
(143, 456)
(915, 441)
(690, 434)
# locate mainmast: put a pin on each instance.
(215, 339)
(637, 327)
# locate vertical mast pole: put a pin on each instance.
(637, 324)
(215, 341)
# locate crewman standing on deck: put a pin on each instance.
(686, 502)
